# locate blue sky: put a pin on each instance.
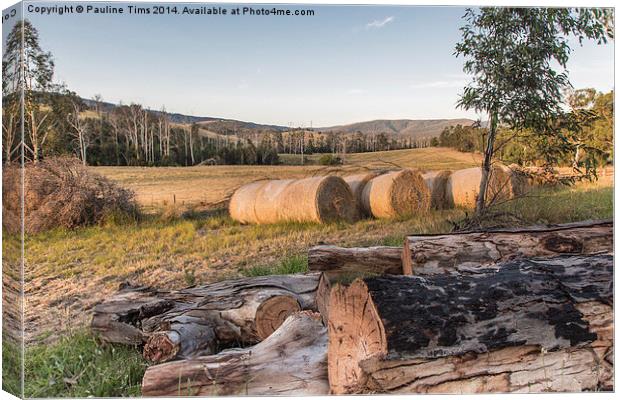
(342, 65)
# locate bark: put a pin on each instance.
(335, 260)
(523, 325)
(489, 150)
(437, 254)
(323, 293)
(199, 320)
(292, 361)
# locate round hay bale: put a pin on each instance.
(316, 199)
(519, 179)
(268, 201)
(396, 194)
(464, 186)
(357, 183)
(242, 206)
(437, 183)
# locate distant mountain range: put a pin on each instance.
(414, 128)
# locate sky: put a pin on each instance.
(344, 64)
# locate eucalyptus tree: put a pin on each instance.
(517, 60)
(27, 73)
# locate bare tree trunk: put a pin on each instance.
(79, 133)
(185, 145)
(486, 164)
(9, 131)
(191, 145)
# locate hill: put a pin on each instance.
(407, 128)
(414, 128)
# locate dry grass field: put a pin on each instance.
(69, 271)
(204, 186)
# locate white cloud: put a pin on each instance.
(378, 24)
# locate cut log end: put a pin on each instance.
(160, 348)
(273, 312)
(352, 310)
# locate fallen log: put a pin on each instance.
(525, 325)
(436, 254)
(335, 260)
(292, 361)
(198, 320)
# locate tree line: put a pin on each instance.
(584, 135)
(57, 121)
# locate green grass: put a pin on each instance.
(291, 265)
(11, 367)
(554, 206)
(77, 366)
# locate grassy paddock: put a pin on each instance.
(203, 186)
(70, 271)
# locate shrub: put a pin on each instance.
(330, 159)
(61, 192)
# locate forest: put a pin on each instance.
(583, 134)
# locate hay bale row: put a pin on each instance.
(394, 194)
(461, 188)
(331, 198)
(357, 183)
(437, 183)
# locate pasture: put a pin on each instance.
(70, 271)
(207, 186)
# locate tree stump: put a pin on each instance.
(524, 325)
(292, 361)
(438, 254)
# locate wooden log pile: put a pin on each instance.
(199, 320)
(291, 361)
(513, 310)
